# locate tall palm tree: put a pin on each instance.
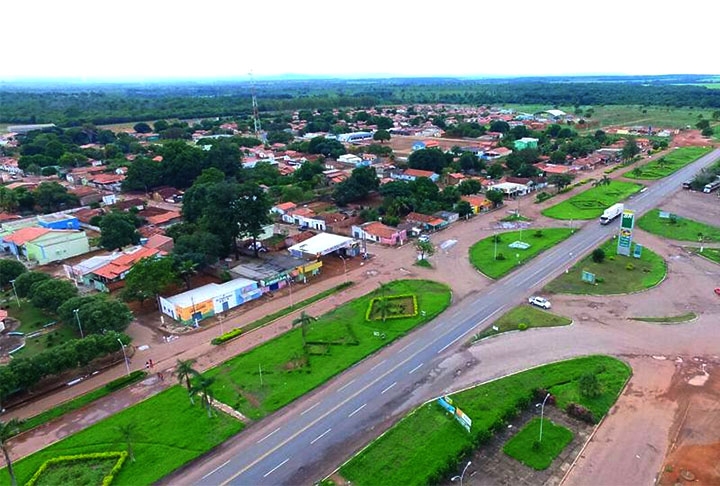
(184, 371)
(662, 162)
(8, 430)
(201, 386)
(605, 181)
(303, 321)
(382, 304)
(128, 433)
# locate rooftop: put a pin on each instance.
(207, 292)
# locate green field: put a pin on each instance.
(668, 319)
(525, 314)
(554, 439)
(646, 272)
(664, 166)
(712, 254)
(497, 261)
(336, 341)
(591, 203)
(428, 445)
(170, 432)
(678, 228)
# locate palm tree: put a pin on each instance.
(303, 321)
(605, 181)
(8, 430)
(201, 386)
(184, 371)
(382, 304)
(662, 162)
(128, 433)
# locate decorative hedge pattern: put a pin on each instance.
(107, 480)
(227, 336)
(414, 312)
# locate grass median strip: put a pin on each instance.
(497, 258)
(667, 320)
(521, 318)
(274, 374)
(428, 444)
(712, 254)
(167, 432)
(668, 164)
(590, 204)
(677, 228)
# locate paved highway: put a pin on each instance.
(283, 448)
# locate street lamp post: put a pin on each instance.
(344, 267)
(127, 367)
(77, 317)
(15, 292)
(495, 238)
(462, 475)
(542, 413)
(289, 281)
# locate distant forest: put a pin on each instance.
(73, 105)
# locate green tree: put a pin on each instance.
(630, 149)
(598, 255)
(25, 281)
(201, 387)
(560, 181)
(495, 170)
(185, 270)
(495, 196)
(252, 213)
(589, 385)
(8, 200)
(200, 247)
(50, 294)
(8, 430)
(381, 136)
(52, 197)
(464, 209)
(425, 248)
(148, 278)
(604, 181)
(143, 174)
(117, 229)
(184, 372)
(10, 270)
(142, 127)
(129, 433)
(469, 186)
(303, 320)
(637, 171)
(104, 314)
(429, 159)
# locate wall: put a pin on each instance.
(58, 249)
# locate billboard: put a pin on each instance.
(464, 420)
(627, 223)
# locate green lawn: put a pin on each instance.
(483, 253)
(616, 278)
(554, 440)
(689, 316)
(89, 472)
(170, 433)
(32, 319)
(591, 203)
(336, 341)
(681, 229)
(672, 162)
(712, 254)
(524, 314)
(426, 446)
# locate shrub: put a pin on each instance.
(538, 234)
(542, 196)
(580, 412)
(227, 336)
(589, 385)
(629, 266)
(522, 326)
(599, 280)
(598, 255)
(125, 380)
(107, 480)
(500, 256)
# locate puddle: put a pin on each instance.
(699, 380)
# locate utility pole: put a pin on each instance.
(256, 116)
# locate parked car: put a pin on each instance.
(540, 302)
(424, 238)
(717, 291)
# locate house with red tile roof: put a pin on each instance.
(478, 203)
(304, 218)
(414, 174)
(108, 182)
(283, 208)
(44, 245)
(379, 233)
(160, 242)
(110, 276)
(426, 222)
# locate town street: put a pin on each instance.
(283, 448)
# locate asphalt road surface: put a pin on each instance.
(283, 448)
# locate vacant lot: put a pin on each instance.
(678, 228)
(495, 259)
(274, 374)
(590, 204)
(429, 442)
(615, 275)
(670, 163)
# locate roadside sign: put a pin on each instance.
(664, 215)
(638, 251)
(444, 404)
(463, 419)
(627, 222)
(588, 277)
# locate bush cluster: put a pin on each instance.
(580, 412)
(125, 380)
(227, 336)
(107, 480)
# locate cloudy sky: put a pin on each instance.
(154, 39)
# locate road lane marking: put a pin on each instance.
(275, 468)
(404, 348)
(357, 410)
(271, 433)
(346, 385)
(388, 388)
(415, 369)
(308, 409)
(320, 436)
(450, 344)
(216, 469)
(381, 362)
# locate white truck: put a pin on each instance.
(611, 213)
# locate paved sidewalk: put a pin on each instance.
(451, 266)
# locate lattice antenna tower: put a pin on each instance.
(256, 116)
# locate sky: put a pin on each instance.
(212, 39)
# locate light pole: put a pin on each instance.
(289, 281)
(77, 317)
(127, 367)
(15, 292)
(495, 238)
(462, 475)
(344, 266)
(542, 413)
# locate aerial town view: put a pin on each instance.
(332, 247)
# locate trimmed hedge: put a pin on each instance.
(107, 480)
(368, 312)
(124, 381)
(227, 336)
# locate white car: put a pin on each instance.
(540, 302)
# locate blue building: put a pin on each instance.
(59, 222)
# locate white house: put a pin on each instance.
(305, 218)
(350, 159)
